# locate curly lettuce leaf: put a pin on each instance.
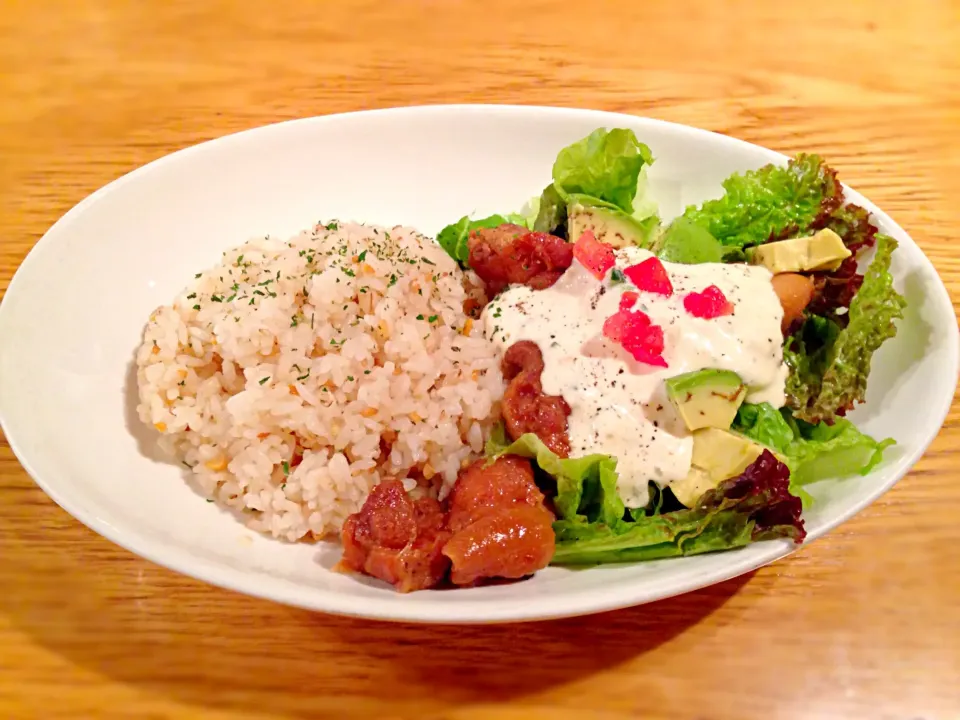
(688, 243)
(453, 238)
(828, 381)
(807, 355)
(586, 487)
(757, 505)
(834, 290)
(873, 311)
(651, 538)
(606, 165)
(770, 203)
(852, 223)
(812, 452)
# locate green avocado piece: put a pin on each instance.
(717, 455)
(693, 486)
(722, 453)
(706, 398)
(824, 250)
(608, 223)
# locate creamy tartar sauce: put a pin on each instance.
(619, 405)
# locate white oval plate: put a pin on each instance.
(75, 310)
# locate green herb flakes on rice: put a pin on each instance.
(296, 375)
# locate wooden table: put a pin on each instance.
(863, 624)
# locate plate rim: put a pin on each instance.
(466, 611)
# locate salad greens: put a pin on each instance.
(811, 451)
(756, 505)
(828, 353)
(770, 203)
(593, 525)
(551, 210)
(605, 165)
(830, 377)
(685, 242)
(604, 169)
(851, 315)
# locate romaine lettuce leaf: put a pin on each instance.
(757, 505)
(606, 165)
(551, 212)
(835, 451)
(770, 203)
(812, 452)
(828, 380)
(687, 243)
(644, 206)
(453, 238)
(519, 219)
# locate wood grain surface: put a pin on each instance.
(862, 624)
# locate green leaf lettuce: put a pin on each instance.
(812, 452)
(685, 242)
(606, 165)
(754, 506)
(770, 203)
(829, 376)
(592, 526)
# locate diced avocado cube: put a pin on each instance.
(824, 250)
(723, 454)
(609, 224)
(717, 455)
(693, 486)
(706, 398)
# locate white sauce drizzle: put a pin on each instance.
(619, 405)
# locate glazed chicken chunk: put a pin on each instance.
(512, 254)
(496, 526)
(525, 406)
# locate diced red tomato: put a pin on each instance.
(613, 326)
(628, 300)
(637, 334)
(647, 346)
(624, 323)
(595, 256)
(709, 304)
(650, 276)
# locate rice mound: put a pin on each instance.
(296, 375)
